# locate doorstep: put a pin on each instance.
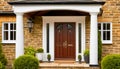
(53, 64)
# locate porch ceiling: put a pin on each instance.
(58, 13)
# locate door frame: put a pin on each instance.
(51, 20)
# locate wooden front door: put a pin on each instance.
(65, 40)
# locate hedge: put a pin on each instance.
(111, 62)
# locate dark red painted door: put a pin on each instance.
(64, 40)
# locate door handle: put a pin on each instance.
(65, 44)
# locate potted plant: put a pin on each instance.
(39, 54)
(49, 57)
(79, 58)
(86, 56)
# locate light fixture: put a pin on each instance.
(30, 24)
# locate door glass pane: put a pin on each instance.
(79, 38)
(69, 26)
(59, 27)
(47, 37)
(5, 26)
(5, 35)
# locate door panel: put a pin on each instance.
(64, 40)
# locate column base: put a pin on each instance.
(94, 65)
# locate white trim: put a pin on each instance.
(7, 41)
(51, 20)
(31, 8)
(106, 41)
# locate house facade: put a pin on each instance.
(63, 29)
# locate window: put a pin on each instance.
(105, 29)
(8, 32)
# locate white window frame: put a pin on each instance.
(106, 41)
(7, 41)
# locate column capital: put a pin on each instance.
(19, 13)
(93, 13)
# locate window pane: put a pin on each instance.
(108, 26)
(104, 35)
(11, 35)
(14, 35)
(11, 26)
(5, 26)
(104, 26)
(5, 35)
(79, 38)
(99, 26)
(14, 26)
(108, 35)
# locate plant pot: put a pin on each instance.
(49, 60)
(79, 61)
(39, 56)
(86, 58)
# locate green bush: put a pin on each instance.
(48, 56)
(2, 66)
(3, 60)
(79, 57)
(40, 50)
(26, 62)
(111, 62)
(86, 52)
(30, 51)
(99, 46)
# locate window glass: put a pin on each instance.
(5, 26)
(5, 35)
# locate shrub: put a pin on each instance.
(26, 62)
(2, 66)
(99, 46)
(40, 50)
(30, 51)
(79, 57)
(48, 56)
(86, 52)
(111, 62)
(3, 60)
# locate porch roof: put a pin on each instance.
(57, 2)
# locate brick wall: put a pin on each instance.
(8, 49)
(111, 13)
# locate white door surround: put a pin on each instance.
(51, 20)
(92, 9)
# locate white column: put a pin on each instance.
(93, 39)
(19, 35)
